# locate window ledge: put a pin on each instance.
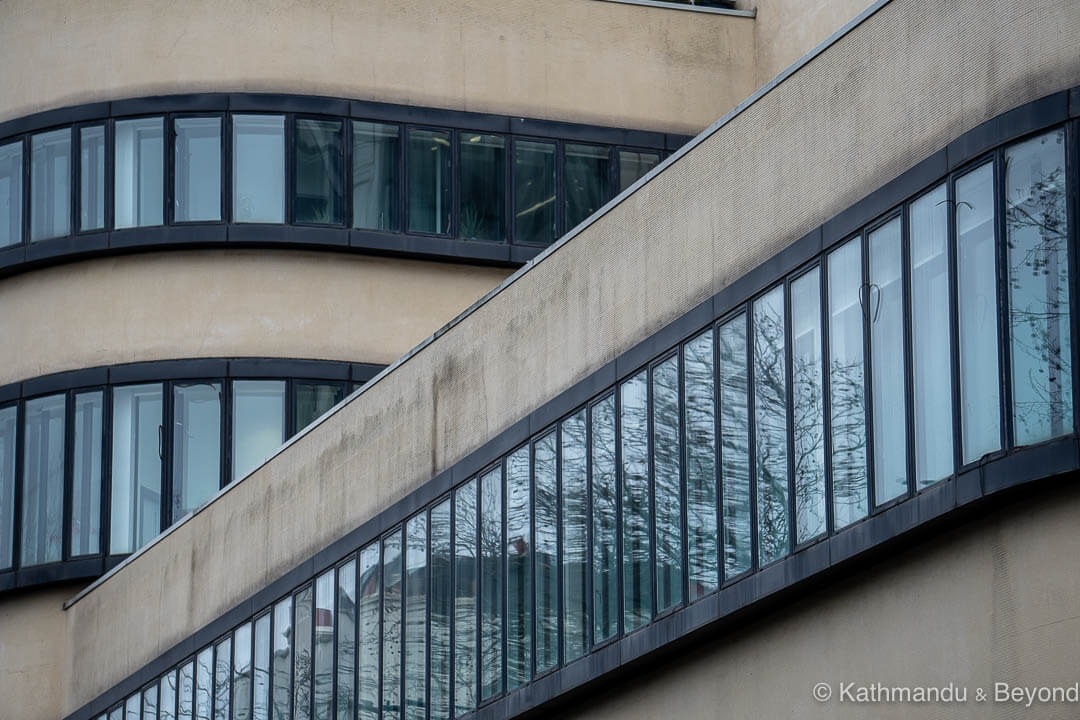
(691, 8)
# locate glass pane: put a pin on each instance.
(846, 388)
(260, 705)
(320, 172)
(258, 422)
(491, 596)
(117, 713)
(43, 480)
(302, 656)
(198, 169)
(50, 184)
(282, 661)
(518, 571)
(429, 181)
(150, 702)
(667, 496)
(11, 180)
(91, 177)
(440, 599)
(241, 677)
(185, 704)
(534, 192)
(313, 399)
(575, 538)
(605, 526)
(204, 674)
(196, 436)
(86, 475)
(1036, 224)
(416, 589)
(139, 189)
(222, 676)
(483, 187)
(809, 406)
(367, 661)
(323, 695)
(131, 708)
(167, 695)
(735, 445)
(8, 433)
(588, 181)
(635, 165)
(375, 170)
(346, 641)
(976, 308)
(701, 497)
(135, 516)
(637, 578)
(770, 425)
(258, 168)
(930, 337)
(391, 632)
(465, 598)
(547, 553)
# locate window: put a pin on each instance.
(320, 172)
(546, 558)
(440, 610)
(491, 595)
(167, 694)
(313, 399)
(198, 170)
(575, 548)
(370, 639)
(376, 176)
(222, 679)
(699, 398)
(204, 673)
(808, 400)
(139, 187)
(241, 674)
(302, 656)
(185, 699)
(346, 640)
(735, 445)
(416, 593)
(43, 480)
(483, 187)
(605, 527)
(464, 598)
(92, 177)
(135, 516)
(518, 571)
(636, 561)
(282, 660)
(86, 475)
(260, 700)
(50, 184)
(534, 192)
(588, 181)
(196, 435)
(258, 422)
(323, 653)
(8, 433)
(634, 165)
(667, 494)
(770, 424)
(11, 179)
(150, 701)
(429, 181)
(258, 168)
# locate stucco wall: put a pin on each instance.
(785, 30)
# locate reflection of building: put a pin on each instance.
(794, 407)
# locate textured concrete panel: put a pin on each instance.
(785, 30)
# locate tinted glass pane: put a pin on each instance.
(465, 598)
(770, 424)
(313, 399)
(185, 701)
(258, 168)
(588, 181)
(139, 188)
(667, 497)
(282, 661)
(846, 388)
(323, 693)
(260, 705)
(86, 475)
(735, 445)
(637, 577)
(198, 169)
(8, 436)
(346, 641)
(367, 661)
(11, 178)
(43, 480)
(440, 599)
(518, 571)
(204, 680)
(809, 404)
(1039, 316)
(930, 337)
(429, 181)
(416, 589)
(605, 543)
(150, 702)
(258, 422)
(91, 177)
(534, 192)
(196, 436)
(634, 165)
(375, 176)
(546, 507)
(575, 539)
(222, 678)
(320, 172)
(483, 187)
(491, 592)
(50, 184)
(701, 497)
(167, 696)
(241, 674)
(302, 656)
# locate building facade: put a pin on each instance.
(745, 423)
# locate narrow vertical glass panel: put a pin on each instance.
(931, 339)
(483, 187)
(391, 628)
(735, 445)
(241, 673)
(198, 169)
(346, 641)
(139, 187)
(699, 395)
(91, 177)
(376, 157)
(588, 181)
(634, 165)
(167, 696)
(429, 181)
(50, 184)
(320, 172)
(491, 589)
(43, 480)
(367, 661)
(204, 683)
(605, 527)
(11, 182)
(281, 699)
(1040, 342)
(575, 536)
(518, 571)
(546, 559)
(846, 387)
(465, 598)
(416, 590)
(302, 656)
(770, 426)
(667, 493)
(440, 607)
(323, 695)
(185, 701)
(808, 401)
(634, 428)
(8, 438)
(135, 516)
(258, 173)
(222, 679)
(117, 713)
(258, 422)
(131, 707)
(260, 702)
(534, 192)
(313, 399)
(86, 475)
(150, 703)
(196, 434)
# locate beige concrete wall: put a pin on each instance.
(785, 30)
(895, 89)
(228, 303)
(577, 60)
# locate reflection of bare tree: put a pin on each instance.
(545, 500)
(667, 500)
(702, 537)
(808, 429)
(518, 571)
(735, 436)
(491, 574)
(637, 597)
(770, 412)
(465, 598)
(605, 530)
(574, 547)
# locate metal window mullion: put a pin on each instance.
(908, 320)
(751, 425)
(718, 457)
(25, 200)
(868, 363)
(1072, 189)
(1001, 255)
(68, 482)
(684, 457)
(952, 248)
(169, 166)
(451, 675)
(826, 394)
(650, 482)
(620, 625)
(590, 627)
